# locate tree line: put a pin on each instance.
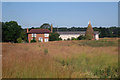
(104, 31)
(12, 32)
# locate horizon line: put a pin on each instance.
(71, 26)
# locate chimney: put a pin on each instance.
(51, 28)
(27, 30)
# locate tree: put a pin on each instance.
(45, 26)
(89, 32)
(23, 35)
(11, 31)
(54, 37)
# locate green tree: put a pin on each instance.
(89, 32)
(45, 26)
(54, 37)
(23, 35)
(11, 31)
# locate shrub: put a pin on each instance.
(81, 37)
(63, 63)
(39, 41)
(45, 51)
(19, 40)
(74, 38)
(108, 72)
(68, 38)
(54, 37)
(32, 41)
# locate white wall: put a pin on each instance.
(46, 35)
(63, 36)
(96, 36)
(66, 36)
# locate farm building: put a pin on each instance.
(74, 34)
(40, 35)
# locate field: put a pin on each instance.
(61, 59)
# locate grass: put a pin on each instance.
(64, 59)
(45, 51)
(101, 43)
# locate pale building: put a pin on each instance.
(74, 34)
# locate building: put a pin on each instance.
(40, 35)
(75, 34)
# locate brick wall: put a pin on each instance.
(37, 37)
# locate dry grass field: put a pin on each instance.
(61, 59)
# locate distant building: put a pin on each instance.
(74, 34)
(41, 35)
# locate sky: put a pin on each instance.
(61, 14)
(60, 0)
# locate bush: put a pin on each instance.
(54, 37)
(74, 38)
(108, 72)
(45, 51)
(39, 41)
(68, 38)
(81, 37)
(19, 40)
(32, 41)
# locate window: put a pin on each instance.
(34, 35)
(46, 39)
(40, 39)
(46, 35)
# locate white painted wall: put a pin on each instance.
(46, 35)
(66, 36)
(96, 36)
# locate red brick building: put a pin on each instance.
(41, 35)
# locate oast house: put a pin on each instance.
(64, 35)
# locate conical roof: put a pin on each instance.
(89, 32)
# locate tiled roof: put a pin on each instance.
(39, 31)
(75, 32)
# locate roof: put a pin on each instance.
(39, 31)
(75, 32)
